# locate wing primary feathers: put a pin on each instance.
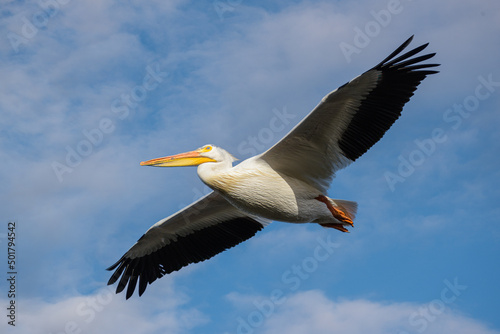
(404, 65)
(407, 55)
(397, 51)
(397, 81)
(121, 266)
(131, 284)
(351, 119)
(198, 246)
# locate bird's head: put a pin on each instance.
(207, 153)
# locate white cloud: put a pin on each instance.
(106, 312)
(312, 312)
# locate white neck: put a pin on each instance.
(209, 171)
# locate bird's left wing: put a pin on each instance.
(349, 120)
(195, 233)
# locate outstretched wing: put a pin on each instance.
(195, 233)
(350, 120)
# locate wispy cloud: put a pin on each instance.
(104, 312)
(312, 311)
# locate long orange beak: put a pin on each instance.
(192, 158)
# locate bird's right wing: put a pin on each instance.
(195, 233)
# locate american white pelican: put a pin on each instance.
(286, 183)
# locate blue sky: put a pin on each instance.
(92, 88)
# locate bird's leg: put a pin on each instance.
(336, 213)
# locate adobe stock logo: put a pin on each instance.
(39, 20)
(120, 108)
(427, 314)
(292, 279)
(222, 7)
(253, 145)
(454, 118)
(363, 37)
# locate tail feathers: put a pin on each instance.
(348, 207)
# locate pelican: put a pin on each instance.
(286, 183)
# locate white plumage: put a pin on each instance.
(286, 183)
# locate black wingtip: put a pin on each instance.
(131, 286)
(205, 243)
(397, 51)
(113, 266)
(391, 60)
(406, 62)
(116, 264)
(399, 75)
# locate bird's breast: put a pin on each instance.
(265, 193)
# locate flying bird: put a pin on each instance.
(286, 183)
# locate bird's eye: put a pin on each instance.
(208, 148)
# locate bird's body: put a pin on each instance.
(254, 187)
(286, 183)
